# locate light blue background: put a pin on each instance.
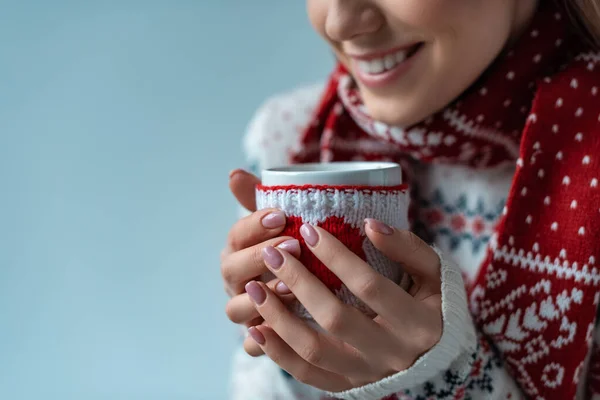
(119, 121)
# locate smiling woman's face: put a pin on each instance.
(410, 58)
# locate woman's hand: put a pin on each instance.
(241, 260)
(354, 349)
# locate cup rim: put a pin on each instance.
(369, 173)
(338, 167)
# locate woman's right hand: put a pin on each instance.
(242, 261)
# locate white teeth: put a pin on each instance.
(379, 65)
(365, 67)
(390, 61)
(400, 56)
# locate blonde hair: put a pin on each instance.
(586, 15)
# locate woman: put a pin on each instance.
(492, 108)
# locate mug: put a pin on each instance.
(337, 197)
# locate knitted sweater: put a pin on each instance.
(460, 206)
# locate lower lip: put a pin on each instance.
(387, 77)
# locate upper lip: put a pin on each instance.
(382, 53)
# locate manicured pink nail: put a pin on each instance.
(379, 226)
(256, 292)
(282, 288)
(291, 246)
(309, 234)
(256, 335)
(273, 220)
(272, 257)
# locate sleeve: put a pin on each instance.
(463, 365)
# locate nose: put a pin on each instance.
(347, 19)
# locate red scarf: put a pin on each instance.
(536, 294)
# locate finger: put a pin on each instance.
(254, 229)
(342, 320)
(254, 322)
(422, 263)
(406, 248)
(242, 266)
(242, 184)
(252, 348)
(228, 291)
(315, 347)
(288, 359)
(382, 295)
(240, 309)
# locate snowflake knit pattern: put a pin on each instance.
(536, 295)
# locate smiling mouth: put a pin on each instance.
(383, 64)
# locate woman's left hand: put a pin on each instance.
(354, 350)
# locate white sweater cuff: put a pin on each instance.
(458, 337)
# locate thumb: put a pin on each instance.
(242, 184)
(418, 259)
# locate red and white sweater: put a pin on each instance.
(461, 206)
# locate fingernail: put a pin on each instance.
(282, 288)
(273, 220)
(256, 293)
(379, 226)
(256, 335)
(272, 257)
(309, 234)
(291, 246)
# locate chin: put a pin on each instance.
(395, 113)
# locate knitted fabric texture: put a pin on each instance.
(341, 210)
(538, 106)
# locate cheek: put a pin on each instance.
(428, 15)
(457, 26)
(317, 14)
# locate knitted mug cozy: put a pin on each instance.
(340, 210)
